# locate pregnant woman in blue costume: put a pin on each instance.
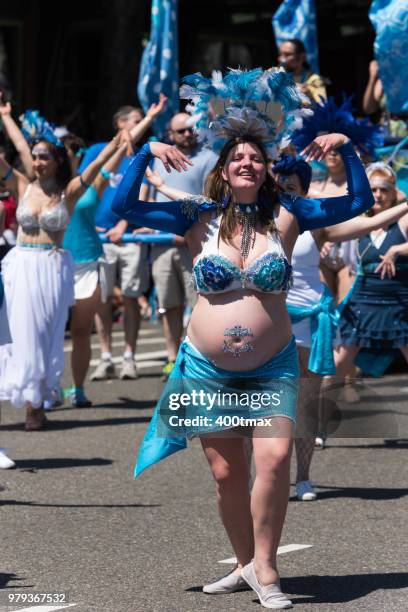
(241, 237)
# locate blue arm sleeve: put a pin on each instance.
(312, 213)
(164, 216)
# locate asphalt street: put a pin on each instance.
(74, 520)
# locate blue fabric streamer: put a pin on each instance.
(159, 65)
(390, 21)
(297, 19)
(323, 322)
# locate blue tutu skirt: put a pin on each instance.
(376, 313)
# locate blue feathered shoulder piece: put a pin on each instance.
(329, 117)
(265, 105)
(35, 127)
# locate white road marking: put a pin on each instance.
(142, 332)
(141, 342)
(281, 551)
(145, 365)
(139, 357)
(45, 608)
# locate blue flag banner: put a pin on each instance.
(297, 19)
(159, 66)
(390, 21)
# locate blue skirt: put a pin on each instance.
(376, 314)
(200, 398)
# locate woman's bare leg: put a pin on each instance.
(229, 465)
(307, 416)
(81, 327)
(270, 493)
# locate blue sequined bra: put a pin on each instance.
(215, 273)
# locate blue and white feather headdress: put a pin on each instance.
(263, 104)
(35, 127)
(329, 117)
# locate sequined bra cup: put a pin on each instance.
(215, 273)
(54, 219)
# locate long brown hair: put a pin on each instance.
(219, 190)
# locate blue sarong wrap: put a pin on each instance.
(323, 322)
(1, 291)
(194, 372)
(370, 362)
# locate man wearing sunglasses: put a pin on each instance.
(172, 265)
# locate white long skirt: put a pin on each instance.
(5, 336)
(38, 290)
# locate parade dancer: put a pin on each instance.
(38, 273)
(313, 313)
(90, 283)
(375, 315)
(331, 117)
(240, 236)
(337, 258)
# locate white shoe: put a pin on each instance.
(105, 370)
(5, 462)
(320, 442)
(129, 370)
(305, 490)
(271, 595)
(227, 584)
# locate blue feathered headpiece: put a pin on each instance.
(288, 164)
(35, 127)
(328, 117)
(266, 105)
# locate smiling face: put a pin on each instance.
(245, 171)
(44, 165)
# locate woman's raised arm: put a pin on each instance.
(175, 217)
(314, 213)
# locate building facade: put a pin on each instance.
(78, 61)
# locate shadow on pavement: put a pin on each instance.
(395, 445)
(16, 502)
(6, 578)
(54, 425)
(123, 403)
(373, 493)
(57, 462)
(341, 589)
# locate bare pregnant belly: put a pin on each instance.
(240, 331)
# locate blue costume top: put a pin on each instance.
(178, 216)
(81, 237)
(213, 272)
